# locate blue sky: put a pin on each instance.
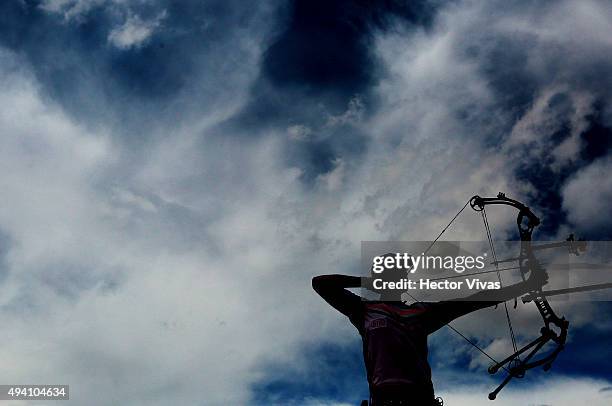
(174, 173)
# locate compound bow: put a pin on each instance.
(526, 221)
(555, 328)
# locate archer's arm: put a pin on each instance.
(442, 313)
(333, 288)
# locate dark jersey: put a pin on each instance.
(394, 339)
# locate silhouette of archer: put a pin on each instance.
(394, 334)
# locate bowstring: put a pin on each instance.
(494, 253)
(446, 228)
(457, 331)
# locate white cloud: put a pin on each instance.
(352, 115)
(71, 7)
(165, 285)
(587, 194)
(299, 132)
(135, 32)
(533, 132)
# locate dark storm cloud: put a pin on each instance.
(322, 56)
(326, 44)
